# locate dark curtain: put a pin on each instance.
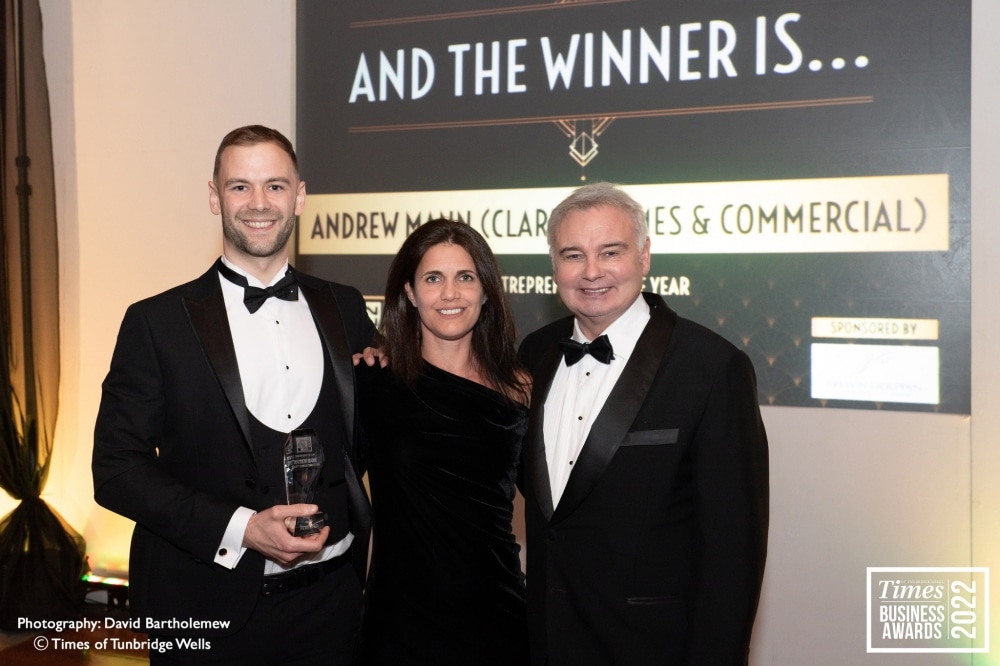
(41, 557)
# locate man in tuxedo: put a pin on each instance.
(644, 466)
(206, 382)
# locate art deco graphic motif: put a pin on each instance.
(583, 137)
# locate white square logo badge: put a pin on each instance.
(928, 609)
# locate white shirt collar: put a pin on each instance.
(623, 332)
(251, 280)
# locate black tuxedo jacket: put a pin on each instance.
(655, 552)
(172, 447)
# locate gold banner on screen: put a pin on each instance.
(840, 215)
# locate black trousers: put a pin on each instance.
(317, 624)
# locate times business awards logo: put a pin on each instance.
(928, 609)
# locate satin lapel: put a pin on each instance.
(326, 314)
(621, 407)
(211, 325)
(538, 464)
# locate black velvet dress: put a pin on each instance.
(445, 585)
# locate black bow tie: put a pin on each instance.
(599, 349)
(253, 297)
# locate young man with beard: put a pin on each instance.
(206, 382)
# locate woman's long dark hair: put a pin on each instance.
(494, 333)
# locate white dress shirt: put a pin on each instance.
(579, 391)
(280, 358)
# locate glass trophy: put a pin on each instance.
(303, 463)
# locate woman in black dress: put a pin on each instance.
(441, 432)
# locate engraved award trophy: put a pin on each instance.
(303, 462)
